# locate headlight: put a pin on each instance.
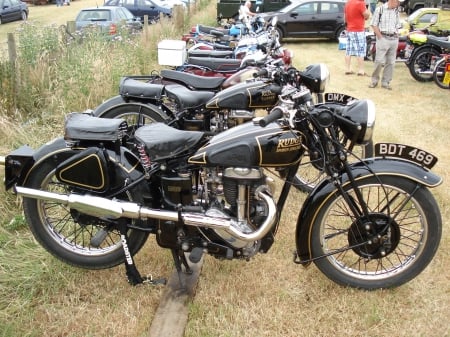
(316, 77)
(361, 121)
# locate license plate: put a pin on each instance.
(447, 74)
(334, 97)
(408, 51)
(410, 153)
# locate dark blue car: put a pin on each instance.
(12, 10)
(139, 8)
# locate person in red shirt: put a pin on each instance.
(356, 14)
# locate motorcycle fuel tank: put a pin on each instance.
(250, 145)
(247, 95)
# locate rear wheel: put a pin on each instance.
(339, 33)
(279, 33)
(68, 234)
(420, 64)
(136, 115)
(388, 247)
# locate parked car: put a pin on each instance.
(12, 10)
(170, 3)
(229, 9)
(108, 19)
(437, 20)
(139, 8)
(410, 6)
(310, 19)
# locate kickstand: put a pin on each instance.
(133, 275)
(180, 260)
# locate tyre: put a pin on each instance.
(66, 233)
(370, 49)
(135, 114)
(439, 73)
(389, 249)
(420, 64)
(310, 171)
(279, 33)
(340, 32)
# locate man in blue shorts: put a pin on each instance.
(356, 14)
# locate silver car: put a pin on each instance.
(109, 19)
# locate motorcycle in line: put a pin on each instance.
(213, 111)
(421, 52)
(224, 36)
(259, 48)
(441, 72)
(93, 203)
(371, 50)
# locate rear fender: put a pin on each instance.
(118, 103)
(58, 151)
(326, 189)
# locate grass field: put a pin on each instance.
(267, 296)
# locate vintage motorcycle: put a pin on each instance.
(92, 202)
(427, 48)
(441, 72)
(214, 111)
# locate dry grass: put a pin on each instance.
(268, 296)
(271, 296)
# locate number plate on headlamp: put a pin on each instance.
(334, 97)
(406, 152)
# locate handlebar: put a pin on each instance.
(272, 117)
(261, 73)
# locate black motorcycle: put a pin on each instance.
(92, 202)
(190, 102)
(420, 62)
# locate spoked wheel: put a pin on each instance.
(439, 73)
(420, 65)
(136, 115)
(310, 172)
(70, 235)
(387, 248)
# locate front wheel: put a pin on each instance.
(440, 72)
(68, 234)
(388, 247)
(420, 64)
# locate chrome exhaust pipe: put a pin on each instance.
(2, 160)
(113, 209)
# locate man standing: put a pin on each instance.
(385, 23)
(245, 13)
(355, 15)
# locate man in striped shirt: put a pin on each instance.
(385, 23)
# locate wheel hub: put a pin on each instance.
(380, 232)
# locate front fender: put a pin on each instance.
(368, 168)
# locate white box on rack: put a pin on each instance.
(172, 52)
